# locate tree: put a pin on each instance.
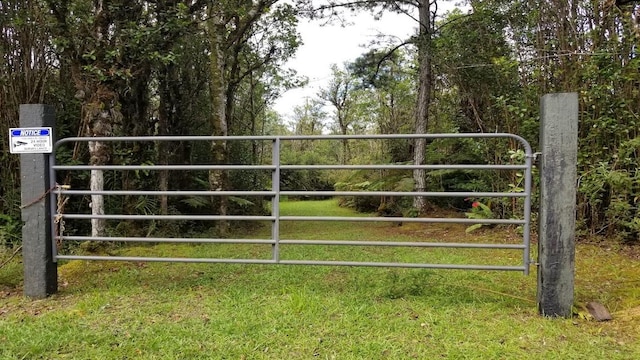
(26, 71)
(389, 82)
(340, 94)
(136, 68)
(425, 89)
(231, 28)
(109, 46)
(183, 106)
(309, 119)
(422, 40)
(475, 61)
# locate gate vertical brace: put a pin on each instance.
(528, 189)
(40, 269)
(557, 219)
(275, 203)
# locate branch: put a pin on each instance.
(454, 20)
(11, 257)
(255, 66)
(400, 10)
(244, 25)
(370, 4)
(388, 54)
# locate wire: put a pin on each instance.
(39, 198)
(541, 58)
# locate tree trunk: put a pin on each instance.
(424, 99)
(98, 111)
(166, 116)
(346, 156)
(99, 116)
(98, 226)
(218, 178)
(163, 150)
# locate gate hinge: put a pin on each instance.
(535, 156)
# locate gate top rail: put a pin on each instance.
(520, 139)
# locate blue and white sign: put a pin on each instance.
(30, 140)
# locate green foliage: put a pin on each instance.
(244, 203)
(147, 66)
(305, 179)
(612, 202)
(26, 67)
(146, 205)
(363, 180)
(476, 63)
(609, 144)
(479, 210)
(196, 202)
(10, 222)
(496, 62)
(456, 151)
(10, 231)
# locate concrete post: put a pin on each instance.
(558, 178)
(40, 271)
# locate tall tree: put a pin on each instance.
(389, 82)
(183, 106)
(232, 26)
(108, 45)
(425, 89)
(26, 68)
(340, 94)
(309, 119)
(426, 10)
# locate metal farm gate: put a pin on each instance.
(275, 194)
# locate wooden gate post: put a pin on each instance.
(40, 271)
(558, 187)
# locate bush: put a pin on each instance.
(10, 231)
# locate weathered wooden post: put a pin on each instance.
(40, 271)
(558, 186)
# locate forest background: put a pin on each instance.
(199, 67)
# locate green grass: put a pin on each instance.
(116, 310)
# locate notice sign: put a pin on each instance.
(30, 140)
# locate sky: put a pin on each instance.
(324, 45)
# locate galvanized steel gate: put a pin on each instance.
(275, 194)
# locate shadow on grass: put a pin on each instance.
(244, 282)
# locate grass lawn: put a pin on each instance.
(118, 310)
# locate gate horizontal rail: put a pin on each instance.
(289, 167)
(276, 193)
(296, 193)
(295, 242)
(294, 218)
(293, 262)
